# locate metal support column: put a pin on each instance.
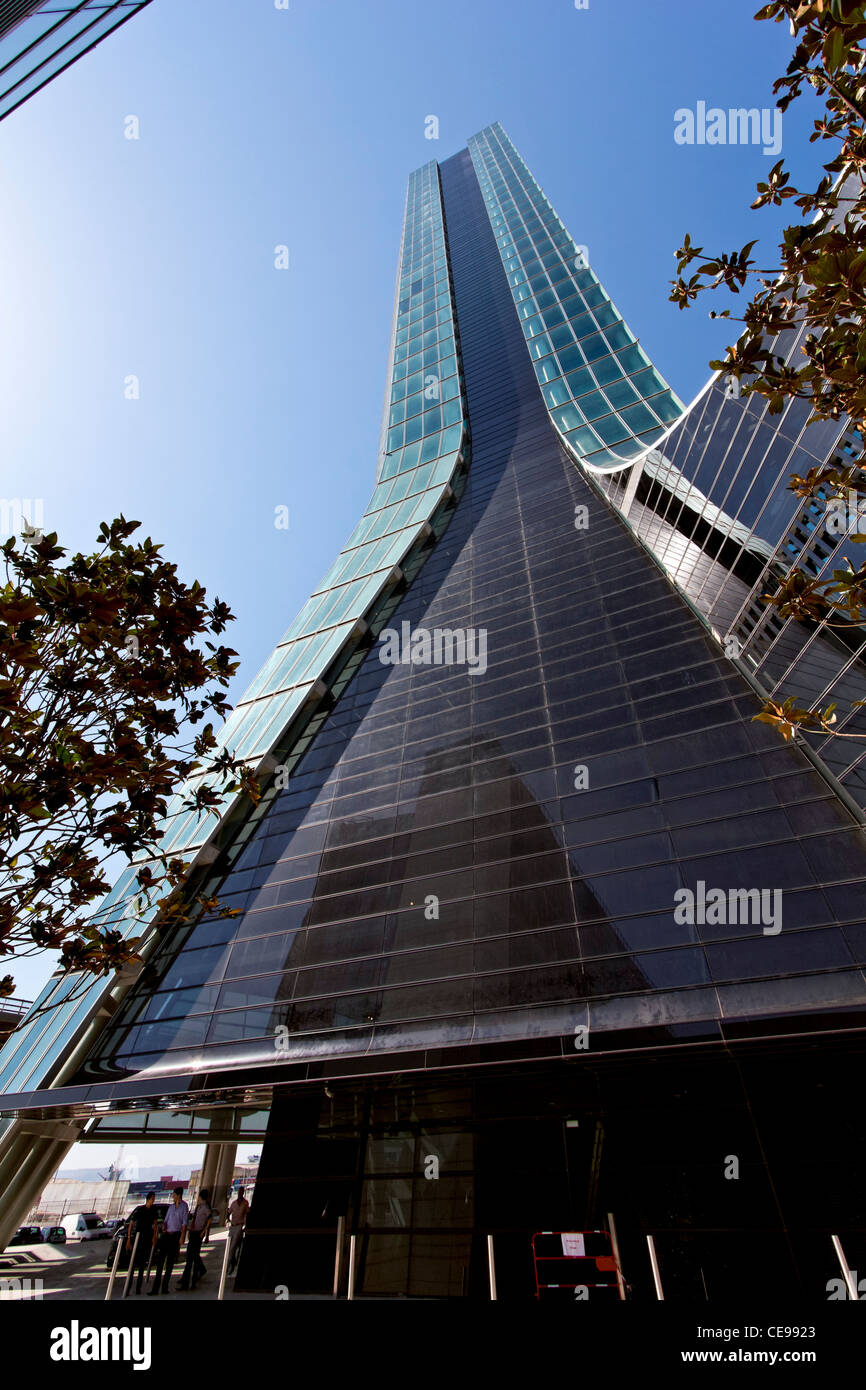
(222, 1180)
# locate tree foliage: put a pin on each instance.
(818, 290)
(107, 678)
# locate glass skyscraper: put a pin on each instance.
(39, 39)
(536, 923)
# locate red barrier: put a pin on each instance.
(560, 1259)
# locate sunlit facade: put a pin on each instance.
(40, 39)
(476, 986)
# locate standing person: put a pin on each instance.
(142, 1223)
(237, 1220)
(198, 1229)
(170, 1242)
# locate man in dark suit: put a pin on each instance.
(143, 1224)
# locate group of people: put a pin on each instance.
(166, 1238)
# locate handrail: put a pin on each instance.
(15, 1008)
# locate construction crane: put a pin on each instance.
(115, 1172)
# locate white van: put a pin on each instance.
(83, 1225)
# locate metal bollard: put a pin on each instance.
(113, 1275)
(131, 1269)
(338, 1259)
(351, 1292)
(657, 1278)
(491, 1266)
(614, 1245)
(849, 1277)
(225, 1269)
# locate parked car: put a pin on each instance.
(160, 1209)
(27, 1235)
(113, 1222)
(54, 1235)
(84, 1225)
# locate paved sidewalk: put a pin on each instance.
(76, 1272)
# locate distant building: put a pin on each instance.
(243, 1175)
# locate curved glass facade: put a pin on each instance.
(414, 484)
(538, 880)
(424, 446)
(604, 396)
(437, 877)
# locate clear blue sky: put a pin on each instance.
(260, 387)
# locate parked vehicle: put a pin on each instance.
(160, 1209)
(27, 1235)
(54, 1235)
(84, 1225)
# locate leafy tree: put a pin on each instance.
(820, 286)
(106, 669)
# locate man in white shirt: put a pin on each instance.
(236, 1219)
(171, 1239)
(198, 1228)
